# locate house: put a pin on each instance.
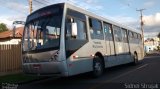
(151, 44)
(8, 37)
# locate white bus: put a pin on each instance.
(65, 40)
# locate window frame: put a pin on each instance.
(124, 34)
(93, 35)
(85, 25)
(119, 33)
(111, 37)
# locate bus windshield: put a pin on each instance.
(42, 33)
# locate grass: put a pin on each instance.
(17, 78)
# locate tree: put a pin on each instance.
(3, 27)
(158, 35)
(159, 41)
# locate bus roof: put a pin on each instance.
(80, 9)
(86, 12)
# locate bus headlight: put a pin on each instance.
(26, 59)
(54, 56)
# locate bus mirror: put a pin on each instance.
(74, 29)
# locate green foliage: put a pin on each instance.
(158, 48)
(3, 27)
(158, 35)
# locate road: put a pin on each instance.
(145, 75)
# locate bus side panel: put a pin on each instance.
(82, 60)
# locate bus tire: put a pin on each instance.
(97, 67)
(135, 59)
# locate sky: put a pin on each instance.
(120, 11)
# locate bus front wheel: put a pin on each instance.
(97, 67)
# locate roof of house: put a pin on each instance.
(9, 34)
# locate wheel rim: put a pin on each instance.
(97, 68)
(135, 58)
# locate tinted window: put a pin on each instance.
(124, 35)
(117, 34)
(139, 36)
(130, 34)
(95, 29)
(135, 35)
(108, 32)
(81, 29)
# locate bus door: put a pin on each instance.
(109, 39)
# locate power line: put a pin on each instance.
(3, 3)
(47, 1)
(40, 2)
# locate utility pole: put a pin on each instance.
(142, 24)
(30, 6)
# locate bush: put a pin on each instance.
(158, 48)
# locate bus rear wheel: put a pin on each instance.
(97, 67)
(135, 59)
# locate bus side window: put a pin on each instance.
(108, 32)
(96, 30)
(130, 37)
(139, 38)
(117, 33)
(124, 35)
(81, 29)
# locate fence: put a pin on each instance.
(10, 59)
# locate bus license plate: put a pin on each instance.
(36, 66)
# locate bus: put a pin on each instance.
(65, 40)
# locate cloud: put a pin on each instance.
(152, 20)
(15, 6)
(125, 20)
(149, 4)
(151, 27)
(5, 21)
(9, 19)
(152, 24)
(20, 10)
(17, 11)
(85, 4)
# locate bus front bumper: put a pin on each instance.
(45, 69)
